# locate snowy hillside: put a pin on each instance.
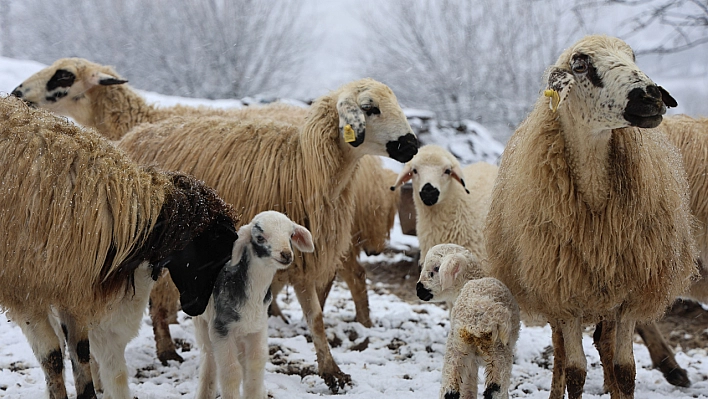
(400, 357)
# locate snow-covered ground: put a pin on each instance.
(402, 356)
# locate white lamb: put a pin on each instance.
(232, 333)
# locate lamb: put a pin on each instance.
(448, 212)
(85, 232)
(96, 96)
(484, 322)
(590, 215)
(232, 333)
(303, 171)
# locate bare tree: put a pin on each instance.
(202, 48)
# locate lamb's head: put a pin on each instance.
(443, 272)
(433, 171)
(596, 83)
(272, 235)
(372, 122)
(62, 86)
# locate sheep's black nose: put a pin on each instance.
(654, 92)
(429, 194)
(422, 292)
(286, 257)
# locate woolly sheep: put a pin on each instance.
(232, 333)
(589, 218)
(304, 172)
(85, 231)
(448, 212)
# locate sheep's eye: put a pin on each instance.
(580, 65)
(415, 171)
(370, 109)
(448, 171)
(260, 239)
(436, 269)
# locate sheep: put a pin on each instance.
(590, 215)
(85, 232)
(303, 171)
(232, 332)
(484, 322)
(96, 96)
(447, 212)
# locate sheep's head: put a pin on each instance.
(272, 235)
(372, 121)
(440, 278)
(62, 86)
(597, 83)
(433, 171)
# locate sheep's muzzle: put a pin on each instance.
(403, 149)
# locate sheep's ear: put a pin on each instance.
(449, 270)
(667, 99)
(352, 123)
(405, 175)
(302, 239)
(457, 174)
(104, 79)
(558, 86)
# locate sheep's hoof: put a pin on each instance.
(169, 355)
(677, 377)
(337, 380)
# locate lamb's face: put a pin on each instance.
(441, 267)
(601, 86)
(373, 123)
(61, 87)
(273, 236)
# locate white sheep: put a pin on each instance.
(451, 203)
(484, 322)
(303, 171)
(232, 333)
(590, 216)
(84, 232)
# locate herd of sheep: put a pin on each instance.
(594, 215)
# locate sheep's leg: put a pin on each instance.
(604, 339)
(662, 357)
(453, 381)
(207, 365)
(497, 376)
(274, 309)
(95, 374)
(558, 380)
(625, 371)
(164, 304)
(47, 349)
(253, 357)
(355, 276)
(329, 371)
(78, 344)
(228, 367)
(576, 364)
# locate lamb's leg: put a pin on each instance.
(253, 357)
(207, 365)
(355, 276)
(95, 374)
(662, 357)
(274, 309)
(576, 364)
(329, 371)
(78, 344)
(625, 370)
(558, 380)
(454, 383)
(497, 376)
(228, 368)
(164, 304)
(604, 339)
(47, 349)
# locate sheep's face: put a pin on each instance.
(273, 235)
(601, 87)
(434, 172)
(441, 268)
(372, 122)
(61, 87)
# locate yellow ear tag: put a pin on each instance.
(555, 99)
(349, 135)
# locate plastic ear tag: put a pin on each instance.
(555, 99)
(349, 135)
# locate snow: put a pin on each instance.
(405, 348)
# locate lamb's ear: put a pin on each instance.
(104, 79)
(456, 174)
(352, 123)
(405, 175)
(302, 239)
(449, 270)
(667, 99)
(558, 86)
